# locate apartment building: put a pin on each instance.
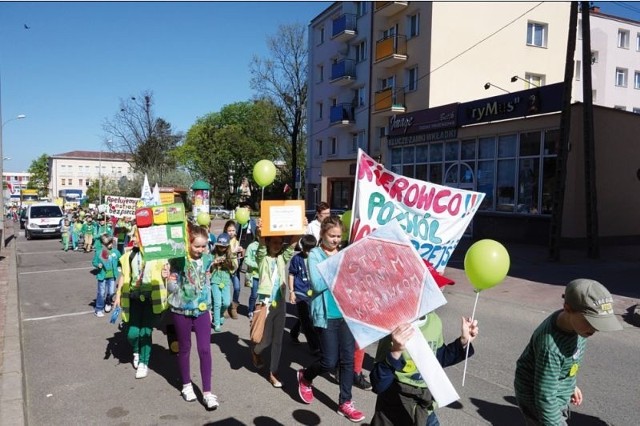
(432, 64)
(13, 183)
(74, 171)
(615, 62)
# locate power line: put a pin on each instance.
(446, 62)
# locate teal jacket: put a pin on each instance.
(109, 260)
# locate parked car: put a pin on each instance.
(43, 220)
(219, 212)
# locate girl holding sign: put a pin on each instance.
(336, 341)
(190, 303)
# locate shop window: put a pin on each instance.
(435, 173)
(435, 152)
(451, 151)
(408, 155)
(468, 150)
(551, 142)
(422, 153)
(408, 170)
(548, 184)
(485, 178)
(422, 171)
(506, 184)
(530, 143)
(487, 148)
(396, 156)
(528, 178)
(507, 146)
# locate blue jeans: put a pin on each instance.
(106, 290)
(338, 346)
(235, 279)
(253, 296)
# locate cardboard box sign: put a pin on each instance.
(144, 217)
(159, 215)
(175, 213)
(282, 217)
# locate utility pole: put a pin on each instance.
(590, 187)
(555, 228)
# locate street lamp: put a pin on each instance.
(18, 117)
(488, 85)
(517, 77)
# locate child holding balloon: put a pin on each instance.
(403, 396)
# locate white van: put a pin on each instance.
(42, 220)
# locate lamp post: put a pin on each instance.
(488, 85)
(517, 77)
(2, 215)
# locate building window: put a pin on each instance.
(594, 94)
(321, 35)
(621, 77)
(412, 79)
(636, 80)
(361, 8)
(579, 29)
(594, 57)
(620, 107)
(320, 112)
(638, 42)
(70, 182)
(319, 147)
(578, 71)
(63, 182)
(361, 51)
(636, 110)
(386, 83)
(536, 34)
(360, 96)
(413, 25)
(80, 182)
(333, 146)
(320, 73)
(535, 80)
(623, 39)
(358, 141)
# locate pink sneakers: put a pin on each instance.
(347, 410)
(305, 390)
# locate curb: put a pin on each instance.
(12, 401)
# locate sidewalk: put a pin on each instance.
(12, 404)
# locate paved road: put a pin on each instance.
(77, 367)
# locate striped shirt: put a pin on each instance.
(546, 371)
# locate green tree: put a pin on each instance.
(39, 179)
(137, 132)
(282, 79)
(109, 187)
(223, 147)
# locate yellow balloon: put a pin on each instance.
(346, 221)
(203, 219)
(486, 264)
(242, 215)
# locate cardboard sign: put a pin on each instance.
(285, 217)
(162, 231)
(434, 217)
(121, 206)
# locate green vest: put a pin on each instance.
(152, 275)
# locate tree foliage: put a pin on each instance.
(282, 79)
(223, 147)
(137, 132)
(39, 179)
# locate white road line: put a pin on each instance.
(58, 316)
(56, 270)
(40, 252)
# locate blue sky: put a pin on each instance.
(68, 72)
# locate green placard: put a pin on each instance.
(163, 241)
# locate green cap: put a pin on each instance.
(594, 301)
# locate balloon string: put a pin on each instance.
(466, 355)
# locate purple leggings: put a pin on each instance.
(202, 326)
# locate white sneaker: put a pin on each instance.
(107, 308)
(188, 394)
(99, 314)
(136, 360)
(210, 401)
(141, 373)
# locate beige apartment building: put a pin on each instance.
(428, 60)
(72, 172)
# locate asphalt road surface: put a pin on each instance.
(78, 367)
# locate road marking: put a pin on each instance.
(56, 270)
(58, 316)
(41, 252)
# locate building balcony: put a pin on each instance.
(343, 73)
(390, 8)
(391, 51)
(342, 115)
(344, 27)
(389, 101)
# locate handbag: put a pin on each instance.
(257, 323)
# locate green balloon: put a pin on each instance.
(264, 173)
(346, 221)
(203, 219)
(486, 264)
(242, 215)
